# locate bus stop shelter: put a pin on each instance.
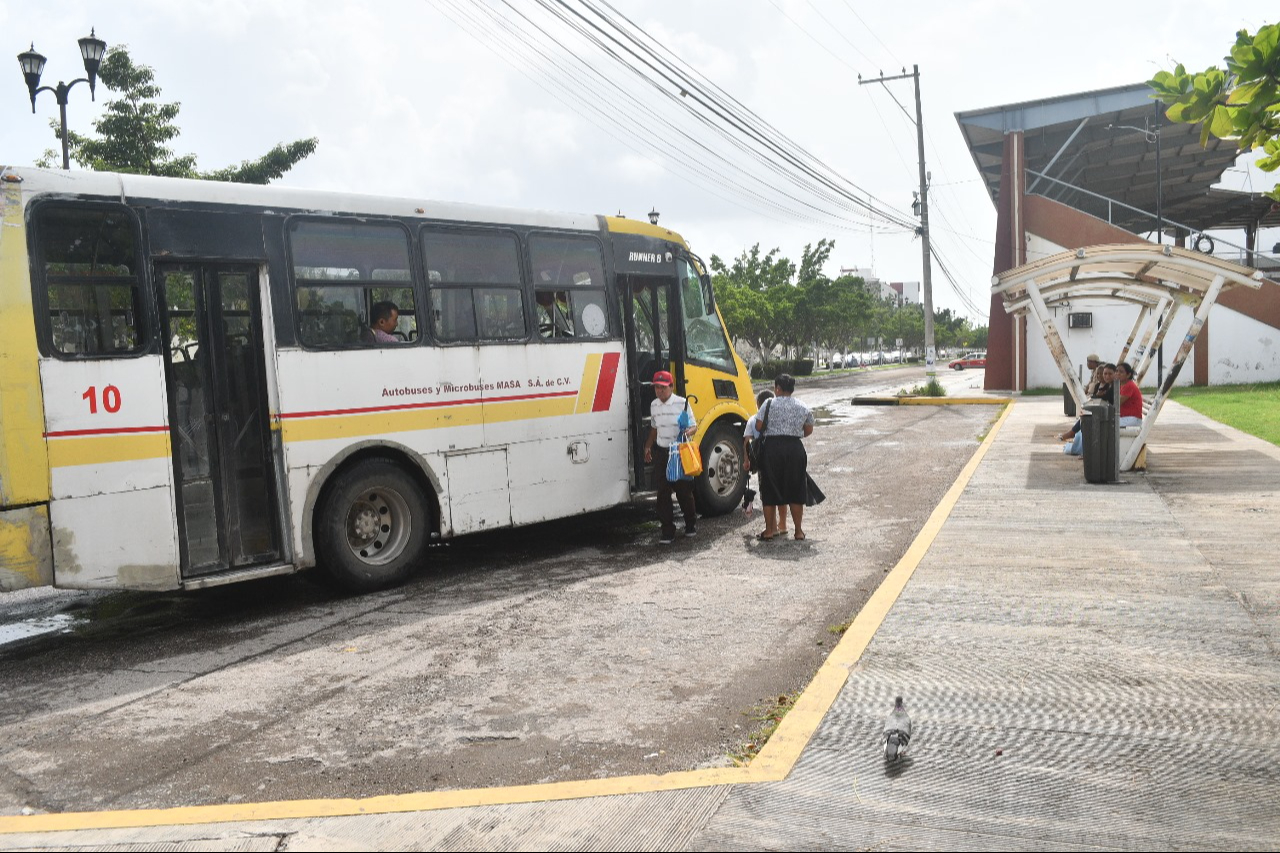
(1160, 280)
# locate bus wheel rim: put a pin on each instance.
(722, 468)
(378, 526)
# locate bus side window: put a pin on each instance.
(568, 274)
(475, 284)
(341, 270)
(453, 314)
(500, 311)
(88, 256)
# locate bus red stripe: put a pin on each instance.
(70, 433)
(604, 387)
(433, 405)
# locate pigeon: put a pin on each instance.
(897, 732)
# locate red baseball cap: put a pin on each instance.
(663, 377)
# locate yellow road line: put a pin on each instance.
(935, 401)
(772, 764)
(954, 401)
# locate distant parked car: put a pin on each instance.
(973, 359)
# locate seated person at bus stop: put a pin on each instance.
(1096, 367)
(383, 319)
(1129, 395)
(1101, 394)
(665, 409)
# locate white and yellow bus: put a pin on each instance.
(192, 391)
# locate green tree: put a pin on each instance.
(907, 322)
(950, 329)
(850, 314)
(1240, 102)
(811, 299)
(135, 130)
(748, 292)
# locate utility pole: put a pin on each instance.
(930, 352)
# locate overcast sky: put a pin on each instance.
(405, 101)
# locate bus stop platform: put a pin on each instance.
(1086, 667)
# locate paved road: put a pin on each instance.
(562, 651)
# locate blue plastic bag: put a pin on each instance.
(675, 471)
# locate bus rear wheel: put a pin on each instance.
(723, 479)
(372, 527)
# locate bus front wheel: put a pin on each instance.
(373, 526)
(719, 489)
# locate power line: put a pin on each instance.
(802, 179)
(854, 12)
(709, 137)
(520, 42)
(741, 120)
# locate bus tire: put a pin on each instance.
(373, 526)
(718, 490)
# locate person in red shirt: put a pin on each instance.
(1130, 396)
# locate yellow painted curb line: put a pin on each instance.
(772, 764)
(932, 401)
(954, 401)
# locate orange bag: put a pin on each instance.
(690, 459)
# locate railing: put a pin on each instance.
(1134, 219)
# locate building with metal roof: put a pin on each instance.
(1106, 167)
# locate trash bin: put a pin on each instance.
(1068, 402)
(1101, 441)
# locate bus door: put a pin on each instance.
(650, 317)
(215, 366)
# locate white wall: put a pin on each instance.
(1112, 324)
(1241, 349)
(911, 292)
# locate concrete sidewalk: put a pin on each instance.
(1087, 667)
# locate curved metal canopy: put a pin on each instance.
(1160, 279)
(1122, 264)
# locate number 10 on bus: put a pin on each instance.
(110, 399)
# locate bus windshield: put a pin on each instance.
(705, 337)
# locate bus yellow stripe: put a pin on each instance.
(587, 388)
(376, 423)
(24, 467)
(95, 450)
(525, 410)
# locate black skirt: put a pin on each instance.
(784, 477)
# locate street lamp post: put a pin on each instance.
(91, 50)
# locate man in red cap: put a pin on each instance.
(664, 430)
